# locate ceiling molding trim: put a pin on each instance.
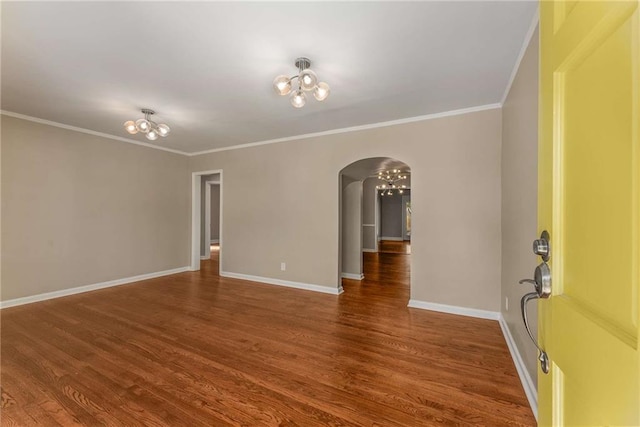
(354, 128)
(523, 49)
(89, 131)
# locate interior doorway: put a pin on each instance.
(211, 236)
(374, 211)
(201, 216)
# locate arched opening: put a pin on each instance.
(375, 225)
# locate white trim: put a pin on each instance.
(527, 383)
(354, 128)
(393, 239)
(369, 250)
(89, 132)
(450, 113)
(352, 276)
(523, 49)
(211, 242)
(88, 288)
(287, 283)
(454, 309)
(368, 225)
(203, 257)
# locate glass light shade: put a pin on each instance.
(298, 99)
(152, 134)
(130, 127)
(321, 91)
(143, 125)
(308, 79)
(282, 85)
(163, 130)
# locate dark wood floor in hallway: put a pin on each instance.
(197, 349)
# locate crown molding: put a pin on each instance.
(88, 131)
(523, 50)
(458, 112)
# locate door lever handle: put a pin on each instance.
(542, 281)
(529, 281)
(542, 355)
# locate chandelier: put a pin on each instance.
(391, 179)
(147, 126)
(307, 81)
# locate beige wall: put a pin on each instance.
(79, 209)
(281, 205)
(520, 198)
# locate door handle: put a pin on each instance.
(542, 355)
(542, 283)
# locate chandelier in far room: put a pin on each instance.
(307, 81)
(147, 126)
(391, 179)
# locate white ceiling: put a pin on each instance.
(207, 68)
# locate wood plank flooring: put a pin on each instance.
(195, 349)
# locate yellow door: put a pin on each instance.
(589, 192)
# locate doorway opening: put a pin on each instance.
(375, 224)
(206, 218)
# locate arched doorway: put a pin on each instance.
(375, 218)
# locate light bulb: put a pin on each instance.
(152, 134)
(282, 85)
(163, 130)
(321, 91)
(400, 191)
(130, 127)
(308, 79)
(143, 125)
(298, 99)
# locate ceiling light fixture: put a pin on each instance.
(391, 178)
(307, 81)
(147, 126)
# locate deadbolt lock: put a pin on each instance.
(542, 246)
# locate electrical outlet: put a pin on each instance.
(283, 266)
(506, 303)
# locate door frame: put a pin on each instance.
(196, 221)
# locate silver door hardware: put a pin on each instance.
(542, 355)
(541, 246)
(542, 284)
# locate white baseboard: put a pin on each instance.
(352, 276)
(454, 309)
(287, 283)
(211, 242)
(393, 239)
(203, 257)
(527, 383)
(369, 250)
(88, 288)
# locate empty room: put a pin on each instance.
(368, 213)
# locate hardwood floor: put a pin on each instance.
(196, 349)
